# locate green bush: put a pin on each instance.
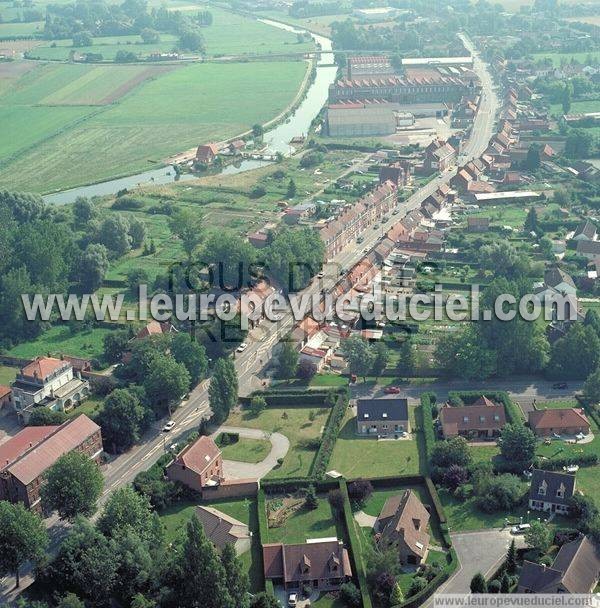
(330, 435)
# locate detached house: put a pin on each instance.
(48, 382)
(199, 465)
(439, 156)
(576, 569)
(221, 530)
(586, 231)
(567, 421)
(558, 279)
(382, 417)
(323, 565)
(551, 491)
(207, 154)
(402, 524)
(483, 419)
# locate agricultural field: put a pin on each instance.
(107, 46)
(559, 59)
(320, 24)
(9, 30)
(193, 104)
(577, 107)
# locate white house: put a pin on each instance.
(48, 382)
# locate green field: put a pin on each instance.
(577, 107)
(9, 30)
(559, 59)
(7, 374)
(107, 46)
(296, 425)
(60, 340)
(246, 450)
(359, 457)
(191, 105)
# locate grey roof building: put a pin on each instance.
(551, 491)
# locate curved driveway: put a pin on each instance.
(233, 469)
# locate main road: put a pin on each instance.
(122, 469)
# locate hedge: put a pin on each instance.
(419, 598)
(555, 464)
(355, 548)
(329, 437)
(427, 420)
(263, 524)
(291, 485)
(297, 397)
(437, 503)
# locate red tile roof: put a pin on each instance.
(24, 440)
(64, 439)
(558, 418)
(199, 455)
(42, 367)
(4, 391)
(478, 417)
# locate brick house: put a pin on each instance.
(198, 465)
(221, 530)
(382, 417)
(402, 524)
(483, 419)
(551, 491)
(30, 453)
(5, 396)
(322, 565)
(567, 421)
(439, 156)
(206, 154)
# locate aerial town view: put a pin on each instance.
(299, 303)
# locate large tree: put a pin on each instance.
(122, 419)
(166, 383)
(236, 579)
(189, 352)
(189, 227)
(92, 267)
(518, 443)
(73, 485)
(201, 581)
(288, 360)
(577, 354)
(23, 538)
(113, 233)
(360, 356)
(223, 389)
(231, 258)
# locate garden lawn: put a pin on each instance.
(176, 517)
(297, 427)
(7, 374)
(185, 107)
(306, 524)
(560, 58)
(60, 340)
(354, 456)
(577, 107)
(247, 450)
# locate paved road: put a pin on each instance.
(123, 469)
(525, 390)
(480, 551)
(245, 470)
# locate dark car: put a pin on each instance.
(560, 385)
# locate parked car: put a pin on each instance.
(580, 436)
(169, 426)
(293, 600)
(242, 347)
(571, 468)
(560, 385)
(392, 390)
(520, 529)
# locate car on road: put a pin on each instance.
(320, 275)
(174, 447)
(242, 347)
(169, 426)
(392, 390)
(293, 600)
(560, 385)
(520, 528)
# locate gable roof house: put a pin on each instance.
(558, 279)
(221, 530)
(206, 153)
(564, 421)
(27, 456)
(198, 465)
(382, 417)
(551, 491)
(483, 419)
(586, 231)
(402, 524)
(322, 564)
(576, 569)
(589, 249)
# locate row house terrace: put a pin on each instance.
(354, 219)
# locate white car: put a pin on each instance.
(169, 426)
(293, 600)
(580, 436)
(242, 347)
(520, 529)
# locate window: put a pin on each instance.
(481, 418)
(465, 419)
(542, 490)
(496, 417)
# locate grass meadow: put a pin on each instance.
(73, 145)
